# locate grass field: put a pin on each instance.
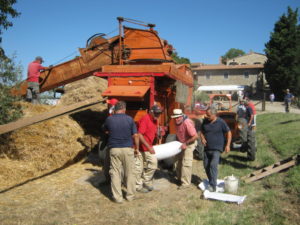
(272, 200)
(73, 195)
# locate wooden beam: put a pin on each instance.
(59, 111)
(274, 168)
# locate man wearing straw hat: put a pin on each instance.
(187, 135)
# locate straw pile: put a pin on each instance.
(39, 148)
(44, 147)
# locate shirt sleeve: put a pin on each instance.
(225, 127)
(190, 127)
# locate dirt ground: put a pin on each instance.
(77, 195)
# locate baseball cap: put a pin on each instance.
(39, 58)
(112, 101)
(156, 109)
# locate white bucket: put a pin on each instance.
(231, 184)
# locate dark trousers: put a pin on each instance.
(211, 162)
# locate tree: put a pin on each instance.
(232, 53)
(10, 74)
(6, 10)
(180, 60)
(283, 55)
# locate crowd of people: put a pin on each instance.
(132, 156)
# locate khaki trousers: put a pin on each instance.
(145, 167)
(122, 158)
(184, 163)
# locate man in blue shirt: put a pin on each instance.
(121, 130)
(287, 100)
(212, 134)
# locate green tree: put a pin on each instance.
(6, 10)
(10, 74)
(283, 53)
(232, 53)
(180, 60)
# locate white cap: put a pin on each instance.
(177, 113)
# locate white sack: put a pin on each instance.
(224, 197)
(167, 150)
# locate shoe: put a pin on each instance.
(181, 187)
(149, 188)
(142, 190)
(211, 188)
(117, 201)
(129, 199)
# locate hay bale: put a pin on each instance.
(39, 148)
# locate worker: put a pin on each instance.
(33, 74)
(104, 138)
(187, 135)
(288, 100)
(212, 135)
(249, 103)
(122, 131)
(146, 161)
(111, 105)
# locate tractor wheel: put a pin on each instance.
(251, 142)
(199, 150)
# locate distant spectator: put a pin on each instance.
(272, 97)
(240, 94)
(287, 100)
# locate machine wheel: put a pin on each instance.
(199, 150)
(103, 153)
(251, 142)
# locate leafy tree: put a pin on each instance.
(282, 67)
(232, 53)
(6, 10)
(180, 60)
(10, 74)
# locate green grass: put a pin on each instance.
(270, 200)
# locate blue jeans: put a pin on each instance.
(211, 162)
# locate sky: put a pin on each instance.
(201, 30)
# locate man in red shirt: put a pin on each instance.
(187, 135)
(33, 74)
(147, 130)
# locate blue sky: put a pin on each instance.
(201, 30)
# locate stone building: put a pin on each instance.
(245, 70)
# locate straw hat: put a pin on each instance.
(177, 113)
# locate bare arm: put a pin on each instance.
(136, 142)
(202, 137)
(228, 137)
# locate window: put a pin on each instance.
(246, 74)
(207, 75)
(226, 75)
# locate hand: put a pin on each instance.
(183, 146)
(152, 151)
(227, 148)
(204, 142)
